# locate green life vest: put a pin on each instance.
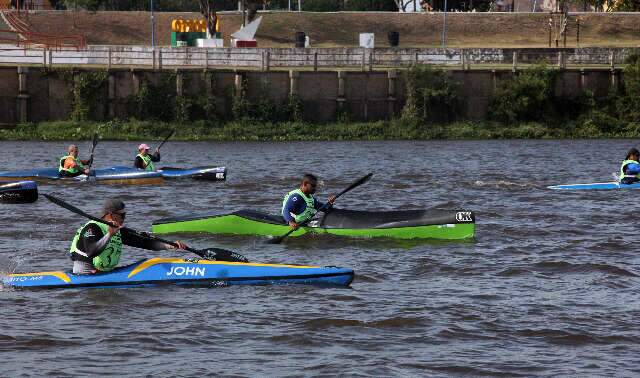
(624, 164)
(309, 212)
(110, 255)
(147, 162)
(79, 166)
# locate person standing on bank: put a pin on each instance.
(97, 247)
(70, 166)
(300, 204)
(144, 160)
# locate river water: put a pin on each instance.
(549, 286)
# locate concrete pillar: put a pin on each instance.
(583, 80)
(238, 83)
(612, 59)
(515, 61)
(135, 77)
(111, 96)
(561, 58)
(341, 98)
(293, 82)
(23, 95)
(494, 78)
(392, 77)
(179, 83)
(615, 80)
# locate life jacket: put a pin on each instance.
(623, 166)
(309, 212)
(79, 166)
(147, 162)
(110, 255)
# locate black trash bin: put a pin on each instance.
(300, 39)
(394, 38)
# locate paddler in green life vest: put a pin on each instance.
(630, 168)
(97, 247)
(144, 160)
(300, 204)
(70, 166)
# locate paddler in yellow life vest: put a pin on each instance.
(97, 247)
(144, 160)
(70, 166)
(300, 204)
(630, 168)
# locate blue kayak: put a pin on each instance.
(596, 186)
(198, 173)
(112, 175)
(18, 192)
(194, 272)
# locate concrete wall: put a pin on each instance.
(35, 94)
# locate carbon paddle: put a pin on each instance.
(94, 143)
(353, 185)
(218, 254)
(167, 138)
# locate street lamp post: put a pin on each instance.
(153, 28)
(444, 26)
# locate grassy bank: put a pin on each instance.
(298, 131)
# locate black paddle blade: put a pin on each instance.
(357, 183)
(219, 254)
(71, 208)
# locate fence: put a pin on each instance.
(308, 58)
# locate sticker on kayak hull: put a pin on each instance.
(464, 216)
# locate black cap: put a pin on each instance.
(112, 205)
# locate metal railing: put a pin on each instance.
(308, 59)
(28, 38)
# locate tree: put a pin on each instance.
(208, 10)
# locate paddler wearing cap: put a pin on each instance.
(144, 160)
(97, 247)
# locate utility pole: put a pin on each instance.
(299, 5)
(444, 26)
(153, 28)
(289, 5)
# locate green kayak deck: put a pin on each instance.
(400, 224)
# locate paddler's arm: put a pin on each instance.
(156, 156)
(632, 169)
(320, 206)
(140, 241)
(92, 241)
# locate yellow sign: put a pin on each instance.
(185, 26)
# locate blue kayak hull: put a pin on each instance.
(175, 271)
(595, 186)
(112, 175)
(18, 192)
(198, 173)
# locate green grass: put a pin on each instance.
(298, 131)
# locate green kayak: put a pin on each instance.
(400, 224)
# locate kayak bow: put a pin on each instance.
(197, 173)
(176, 271)
(401, 224)
(18, 192)
(595, 186)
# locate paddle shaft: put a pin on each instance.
(166, 138)
(201, 253)
(93, 148)
(353, 185)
